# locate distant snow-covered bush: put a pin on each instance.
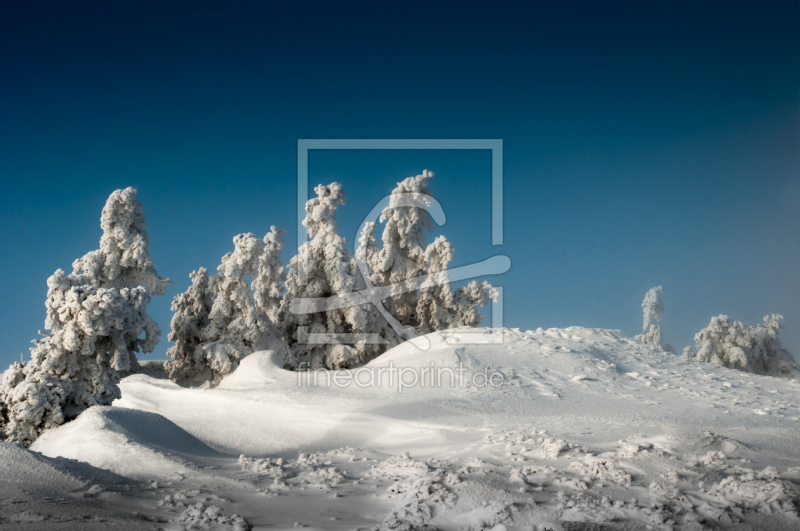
(739, 346)
(97, 315)
(651, 334)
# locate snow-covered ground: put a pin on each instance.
(584, 429)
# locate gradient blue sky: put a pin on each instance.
(646, 143)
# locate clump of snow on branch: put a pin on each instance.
(210, 342)
(96, 314)
(651, 334)
(323, 268)
(739, 346)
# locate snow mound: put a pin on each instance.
(24, 470)
(259, 368)
(132, 443)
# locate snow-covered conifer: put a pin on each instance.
(96, 314)
(402, 256)
(323, 268)
(190, 319)
(435, 305)
(688, 353)
(651, 332)
(235, 329)
(267, 285)
(751, 349)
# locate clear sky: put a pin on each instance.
(646, 143)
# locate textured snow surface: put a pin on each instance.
(590, 430)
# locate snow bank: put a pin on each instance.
(135, 444)
(255, 370)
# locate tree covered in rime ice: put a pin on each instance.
(324, 268)
(190, 319)
(405, 257)
(751, 349)
(216, 322)
(96, 315)
(268, 284)
(651, 332)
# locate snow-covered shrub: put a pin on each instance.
(651, 334)
(405, 256)
(322, 268)
(688, 353)
(210, 341)
(96, 314)
(751, 349)
(190, 319)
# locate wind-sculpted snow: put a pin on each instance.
(97, 315)
(590, 427)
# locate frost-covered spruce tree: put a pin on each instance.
(191, 309)
(97, 315)
(234, 329)
(751, 349)
(404, 256)
(328, 269)
(438, 308)
(268, 284)
(651, 334)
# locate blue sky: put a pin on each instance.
(645, 143)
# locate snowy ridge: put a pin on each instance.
(588, 426)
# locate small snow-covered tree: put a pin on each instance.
(97, 315)
(267, 285)
(235, 329)
(751, 349)
(322, 268)
(688, 353)
(651, 332)
(190, 319)
(438, 308)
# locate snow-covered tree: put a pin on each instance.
(268, 284)
(402, 256)
(651, 332)
(405, 256)
(190, 319)
(438, 308)
(234, 329)
(322, 268)
(97, 315)
(751, 349)
(688, 353)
